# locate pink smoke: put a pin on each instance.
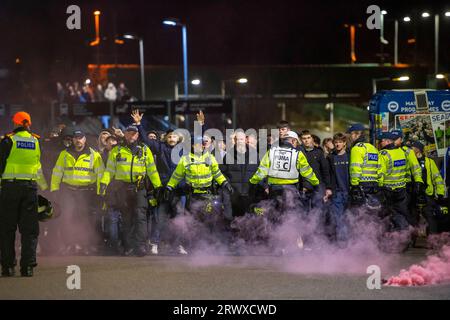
(434, 270)
(259, 237)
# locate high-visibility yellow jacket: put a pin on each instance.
(123, 165)
(413, 167)
(23, 162)
(393, 168)
(84, 171)
(199, 171)
(364, 164)
(282, 166)
(435, 184)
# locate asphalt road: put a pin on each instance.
(215, 277)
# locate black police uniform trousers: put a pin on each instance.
(78, 221)
(287, 198)
(133, 205)
(397, 207)
(427, 210)
(18, 208)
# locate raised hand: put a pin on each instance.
(137, 116)
(118, 132)
(201, 117)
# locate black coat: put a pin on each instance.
(319, 164)
(239, 174)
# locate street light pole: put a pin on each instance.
(383, 41)
(396, 43)
(330, 107)
(185, 62)
(176, 23)
(282, 105)
(436, 44)
(132, 36)
(141, 53)
(176, 91)
(374, 84)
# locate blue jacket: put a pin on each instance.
(163, 153)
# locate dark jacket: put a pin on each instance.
(163, 154)
(330, 159)
(239, 174)
(319, 164)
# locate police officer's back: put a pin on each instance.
(364, 167)
(20, 170)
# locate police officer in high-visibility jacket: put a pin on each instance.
(20, 172)
(199, 169)
(414, 191)
(283, 165)
(364, 167)
(129, 177)
(392, 180)
(435, 188)
(77, 175)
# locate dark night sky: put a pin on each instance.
(220, 32)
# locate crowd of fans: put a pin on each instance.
(86, 92)
(329, 160)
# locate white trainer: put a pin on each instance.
(154, 248)
(181, 250)
(300, 244)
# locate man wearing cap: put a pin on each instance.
(414, 192)
(199, 169)
(392, 180)
(20, 172)
(435, 189)
(283, 166)
(129, 176)
(364, 167)
(167, 209)
(77, 173)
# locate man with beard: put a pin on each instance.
(240, 164)
(167, 208)
(76, 175)
(130, 174)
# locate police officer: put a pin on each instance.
(435, 188)
(283, 166)
(364, 167)
(392, 180)
(414, 192)
(77, 174)
(129, 176)
(20, 171)
(199, 169)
